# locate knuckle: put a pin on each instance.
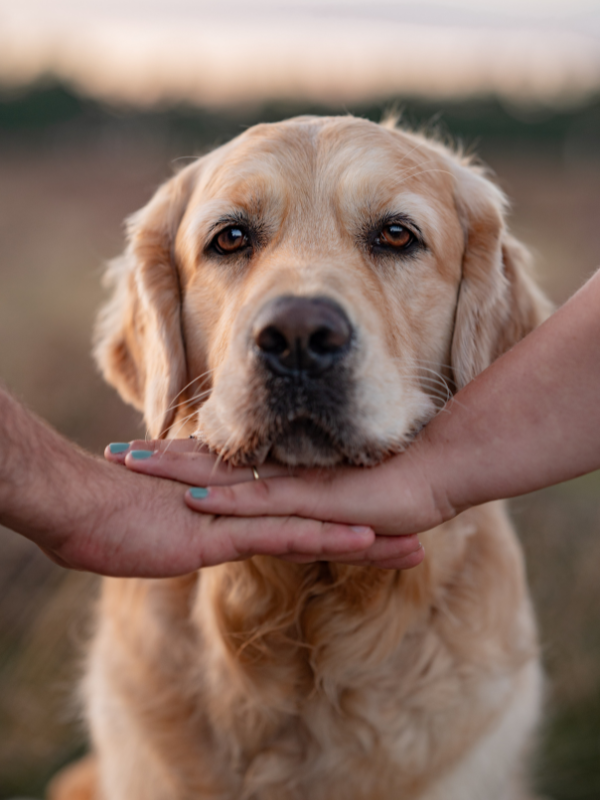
(227, 494)
(262, 490)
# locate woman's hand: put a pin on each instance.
(87, 514)
(532, 419)
(329, 496)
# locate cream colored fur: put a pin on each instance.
(266, 680)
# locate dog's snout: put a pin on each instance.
(302, 335)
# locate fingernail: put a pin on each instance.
(198, 492)
(118, 447)
(360, 529)
(140, 455)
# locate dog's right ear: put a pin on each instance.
(138, 340)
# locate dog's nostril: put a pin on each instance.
(326, 340)
(271, 340)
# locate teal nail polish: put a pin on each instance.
(198, 492)
(118, 447)
(140, 455)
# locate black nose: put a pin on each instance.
(302, 335)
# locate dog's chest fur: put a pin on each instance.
(288, 681)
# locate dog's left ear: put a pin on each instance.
(139, 346)
(498, 302)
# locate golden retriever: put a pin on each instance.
(317, 284)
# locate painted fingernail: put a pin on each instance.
(118, 447)
(140, 455)
(360, 529)
(198, 492)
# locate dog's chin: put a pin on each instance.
(300, 443)
(303, 443)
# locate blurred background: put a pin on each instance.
(101, 101)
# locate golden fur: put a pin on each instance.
(266, 680)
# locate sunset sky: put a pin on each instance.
(216, 53)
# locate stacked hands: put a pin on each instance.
(298, 515)
(532, 419)
(498, 437)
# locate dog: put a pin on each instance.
(313, 292)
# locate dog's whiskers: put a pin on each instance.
(173, 405)
(187, 386)
(181, 424)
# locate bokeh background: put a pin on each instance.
(101, 101)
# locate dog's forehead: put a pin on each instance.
(315, 160)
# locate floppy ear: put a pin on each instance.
(498, 301)
(138, 340)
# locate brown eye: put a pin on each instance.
(395, 236)
(231, 240)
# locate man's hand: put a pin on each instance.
(91, 515)
(333, 496)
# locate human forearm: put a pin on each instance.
(531, 420)
(40, 494)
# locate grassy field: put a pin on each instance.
(65, 187)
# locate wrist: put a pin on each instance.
(13, 457)
(434, 469)
(40, 473)
(460, 455)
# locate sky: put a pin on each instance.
(144, 52)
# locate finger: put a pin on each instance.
(170, 445)
(388, 548)
(400, 563)
(408, 562)
(386, 552)
(340, 496)
(56, 558)
(281, 536)
(194, 467)
(117, 451)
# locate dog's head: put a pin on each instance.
(311, 290)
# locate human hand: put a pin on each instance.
(350, 496)
(89, 515)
